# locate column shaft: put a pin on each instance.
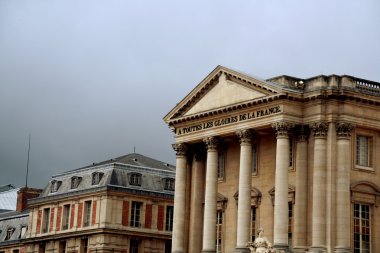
(179, 199)
(300, 207)
(209, 222)
(281, 208)
(244, 201)
(319, 188)
(196, 208)
(343, 188)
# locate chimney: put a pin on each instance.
(23, 195)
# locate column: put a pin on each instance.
(196, 202)
(318, 243)
(281, 208)
(209, 222)
(244, 201)
(179, 198)
(343, 131)
(300, 207)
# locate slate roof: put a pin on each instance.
(8, 199)
(115, 173)
(13, 221)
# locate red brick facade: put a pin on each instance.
(160, 217)
(148, 216)
(93, 217)
(59, 214)
(125, 217)
(72, 216)
(39, 216)
(51, 219)
(80, 214)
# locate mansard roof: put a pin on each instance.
(112, 174)
(13, 221)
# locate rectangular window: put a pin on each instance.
(65, 217)
(134, 246)
(221, 164)
(219, 223)
(363, 150)
(41, 247)
(291, 152)
(362, 229)
(135, 214)
(45, 221)
(169, 218)
(84, 245)
(62, 247)
(254, 159)
(16, 251)
(290, 204)
(253, 224)
(87, 213)
(168, 246)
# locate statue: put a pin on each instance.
(261, 244)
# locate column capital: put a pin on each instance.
(302, 133)
(320, 129)
(211, 142)
(181, 149)
(245, 136)
(344, 129)
(282, 128)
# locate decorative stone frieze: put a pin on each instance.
(344, 129)
(180, 149)
(302, 133)
(245, 136)
(211, 143)
(320, 129)
(282, 128)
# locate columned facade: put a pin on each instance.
(298, 170)
(209, 223)
(178, 241)
(245, 181)
(343, 203)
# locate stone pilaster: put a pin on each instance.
(244, 201)
(178, 245)
(281, 208)
(320, 130)
(300, 207)
(342, 240)
(209, 224)
(196, 202)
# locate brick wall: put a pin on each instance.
(125, 215)
(93, 216)
(160, 217)
(80, 214)
(52, 210)
(59, 214)
(39, 216)
(148, 216)
(72, 216)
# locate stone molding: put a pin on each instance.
(344, 129)
(282, 128)
(302, 133)
(291, 194)
(212, 143)
(180, 149)
(255, 197)
(320, 129)
(245, 136)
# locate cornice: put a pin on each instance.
(318, 94)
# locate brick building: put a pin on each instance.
(119, 205)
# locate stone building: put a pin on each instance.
(298, 157)
(120, 205)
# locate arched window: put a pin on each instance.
(135, 179)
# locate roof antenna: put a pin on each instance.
(27, 165)
(134, 149)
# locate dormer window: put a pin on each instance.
(135, 179)
(55, 185)
(9, 233)
(96, 177)
(75, 181)
(169, 184)
(23, 231)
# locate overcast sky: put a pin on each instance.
(92, 79)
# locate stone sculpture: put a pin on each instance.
(262, 245)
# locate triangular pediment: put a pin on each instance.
(221, 88)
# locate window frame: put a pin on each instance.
(66, 217)
(370, 151)
(255, 159)
(219, 231)
(46, 220)
(87, 212)
(135, 217)
(169, 184)
(135, 179)
(360, 220)
(169, 215)
(222, 154)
